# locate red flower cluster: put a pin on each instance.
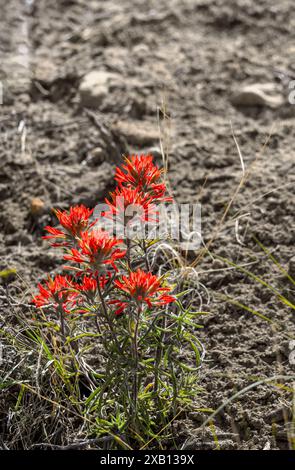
(142, 287)
(74, 223)
(99, 254)
(89, 284)
(125, 197)
(58, 291)
(96, 248)
(140, 183)
(139, 172)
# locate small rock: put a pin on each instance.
(258, 95)
(46, 71)
(95, 157)
(141, 49)
(156, 152)
(138, 132)
(37, 206)
(95, 86)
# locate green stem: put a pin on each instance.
(136, 358)
(147, 263)
(107, 318)
(128, 253)
(159, 354)
(62, 322)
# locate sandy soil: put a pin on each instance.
(193, 57)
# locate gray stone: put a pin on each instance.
(266, 94)
(95, 156)
(138, 132)
(95, 86)
(45, 71)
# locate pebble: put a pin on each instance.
(45, 71)
(95, 86)
(138, 132)
(37, 206)
(95, 156)
(265, 94)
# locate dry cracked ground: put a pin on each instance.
(81, 83)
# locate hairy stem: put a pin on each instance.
(147, 262)
(106, 317)
(159, 354)
(62, 321)
(136, 358)
(128, 253)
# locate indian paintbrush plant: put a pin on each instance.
(115, 311)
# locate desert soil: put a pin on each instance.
(191, 58)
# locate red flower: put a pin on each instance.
(143, 287)
(55, 233)
(124, 197)
(122, 305)
(97, 248)
(141, 173)
(89, 284)
(57, 291)
(74, 222)
(87, 290)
